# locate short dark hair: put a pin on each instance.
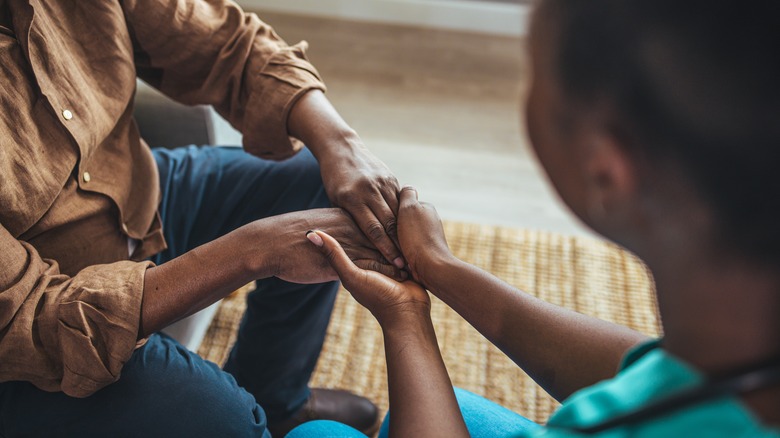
(698, 83)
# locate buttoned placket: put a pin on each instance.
(85, 175)
(60, 105)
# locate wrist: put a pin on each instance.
(405, 320)
(314, 121)
(435, 266)
(340, 146)
(259, 257)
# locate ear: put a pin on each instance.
(610, 173)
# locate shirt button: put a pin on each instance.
(67, 115)
(86, 177)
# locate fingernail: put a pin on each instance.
(398, 262)
(416, 194)
(314, 238)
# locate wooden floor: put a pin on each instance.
(443, 110)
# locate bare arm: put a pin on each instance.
(193, 281)
(422, 401)
(274, 246)
(561, 350)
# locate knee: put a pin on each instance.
(179, 394)
(215, 410)
(203, 407)
(484, 418)
(324, 429)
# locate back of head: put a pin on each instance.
(697, 83)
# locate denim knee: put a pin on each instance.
(324, 429)
(164, 390)
(484, 418)
(185, 395)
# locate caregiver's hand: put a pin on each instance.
(421, 395)
(421, 236)
(383, 296)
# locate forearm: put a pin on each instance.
(422, 401)
(315, 121)
(201, 277)
(560, 349)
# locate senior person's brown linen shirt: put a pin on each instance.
(76, 180)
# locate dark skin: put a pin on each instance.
(719, 309)
(564, 351)
(421, 396)
(354, 179)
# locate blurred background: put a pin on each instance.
(434, 87)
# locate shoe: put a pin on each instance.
(332, 404)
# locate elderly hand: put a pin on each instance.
(360, 183)
(354, 178)
(295, 259)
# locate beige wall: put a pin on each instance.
(496, 17)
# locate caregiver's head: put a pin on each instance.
(658, 121)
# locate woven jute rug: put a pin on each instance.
(583, 274)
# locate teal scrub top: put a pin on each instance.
(647, 374)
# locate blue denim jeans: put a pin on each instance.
(484, 419)
(166, 390)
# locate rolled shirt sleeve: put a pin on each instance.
(69, 334)
(211, 52)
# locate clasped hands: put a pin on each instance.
(377, 241)
(421, 240)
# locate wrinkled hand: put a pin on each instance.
(297, 261)
(420, 234)
(360, 183)
(354, 178)
(382, 296)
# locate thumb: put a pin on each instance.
(334, 253)
(408, 197)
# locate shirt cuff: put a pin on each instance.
(98, 324)
(286, 77)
